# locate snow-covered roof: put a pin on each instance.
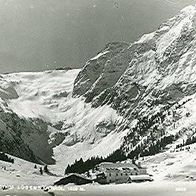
(118, 165)
(140, 177)
(76, 174)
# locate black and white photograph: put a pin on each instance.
(97, 97)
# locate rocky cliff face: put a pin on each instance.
(94, 76)
(154, 84)
(25, 138)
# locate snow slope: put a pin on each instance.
(75, 128)
(23, 173)
(41, 94)
(173, 165)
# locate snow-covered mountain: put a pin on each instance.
(151, 82)
(129, 96)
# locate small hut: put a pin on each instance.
(73, 178)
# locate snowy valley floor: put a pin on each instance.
(174, 174)
(142, 189)
(168, 167)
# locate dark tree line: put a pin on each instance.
(189, 141)
(158, 146)
(117, 155)
(80, 166)
(143, 126)
(152, 149)
(4, 157)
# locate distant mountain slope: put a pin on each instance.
(53, 123)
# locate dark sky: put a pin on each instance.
(45, 34)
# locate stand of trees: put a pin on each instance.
(116, 156)
(119, 155)
(81, 166)
(84, 166)
(154, 148)
(158, 146)
(4, 157)
(189, 141)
